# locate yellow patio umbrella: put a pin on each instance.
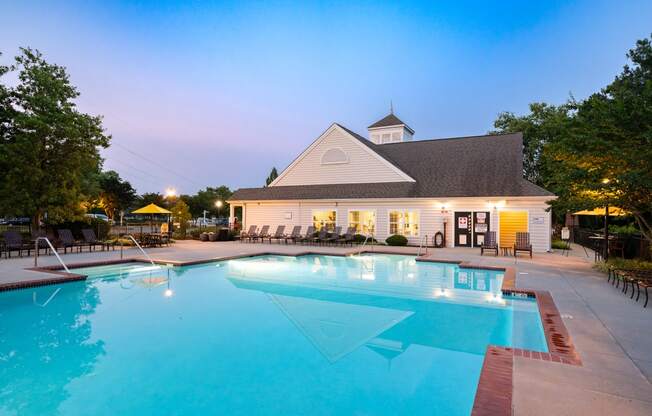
(152, 209)
(599, 212)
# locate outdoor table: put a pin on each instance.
(506, 250)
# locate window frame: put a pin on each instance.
(374, 210)
(403, 210)
(312, 217)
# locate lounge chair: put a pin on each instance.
(42, 244)
(91, 239)
(522, 243)
(14, 242)
(336, 235)
(320, 237)
(349, 236)
(67, 240)
(278, 235)
(489, 243)
(246, 235)
(295, 235)
(310, 234)
(264, 233)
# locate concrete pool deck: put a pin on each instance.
(611, 332)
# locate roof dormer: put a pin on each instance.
(389, 129)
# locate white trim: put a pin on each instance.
(335, 126)
(417, 210)
(542, 199)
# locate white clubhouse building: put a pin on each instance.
(392, 184)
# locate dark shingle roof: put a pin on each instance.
(478, 166)
(390, 120)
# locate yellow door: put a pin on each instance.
(511, 222)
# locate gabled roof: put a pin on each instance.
(476, 166)
(389, 121)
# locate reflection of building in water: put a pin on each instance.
(338, 322)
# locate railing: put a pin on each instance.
(364, 243)
(54, 250)
(423, 242)
(131, 237)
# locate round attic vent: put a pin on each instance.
(334, 156)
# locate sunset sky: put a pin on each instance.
(210, 93)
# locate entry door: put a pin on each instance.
(480, 227)
(463, 229)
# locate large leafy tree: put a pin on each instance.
(606, 156)
(543, 125)
(49, 150)
(115, 194)
(181, 214)
(205, 200)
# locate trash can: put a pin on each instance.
(223, 234)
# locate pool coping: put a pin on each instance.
(494, 392)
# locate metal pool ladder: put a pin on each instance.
(36, 250)
(422, 243)
(365, 243)
(131, 237)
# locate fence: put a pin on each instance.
(634, 246)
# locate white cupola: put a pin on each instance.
(390, 129)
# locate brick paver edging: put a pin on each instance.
(495, 388)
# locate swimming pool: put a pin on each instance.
(321, 335)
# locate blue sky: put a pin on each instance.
(201, 94)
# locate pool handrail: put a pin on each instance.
(54, 250)
(131, 237)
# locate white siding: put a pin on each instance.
(362, 166)
(431, 215)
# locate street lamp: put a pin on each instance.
(218, 205)
(170, 192)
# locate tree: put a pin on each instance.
(606, 157)
(115, 194)
(49, 150)
(543, 125)
(272, 175)
(181, 214)
(151, 198)
(206, 199)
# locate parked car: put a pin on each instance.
(17, 221)
(101, 217)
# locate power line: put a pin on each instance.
(158, 164)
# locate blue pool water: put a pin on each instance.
(272, 335)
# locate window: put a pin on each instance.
(404, 222)
(321, 219)
(334, 156)
(363, 221)
(396, 137)
(386, 138)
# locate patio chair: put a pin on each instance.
(278, 235)
(320, 237)
(14, 242)
(522, 243)
(246, 235)
(643, 280)
(91, 239)
(489, 243)
(617, 246)
(310, 234)
(264, 233)
(295, 235)
(336, 235)
(348, 237)
(67, 240)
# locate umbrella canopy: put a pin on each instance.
(151, 209)
(613, 212)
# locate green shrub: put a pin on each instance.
(629, 229)
(627, 264)
(560, 245)
(396, 240)
(360, 238)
